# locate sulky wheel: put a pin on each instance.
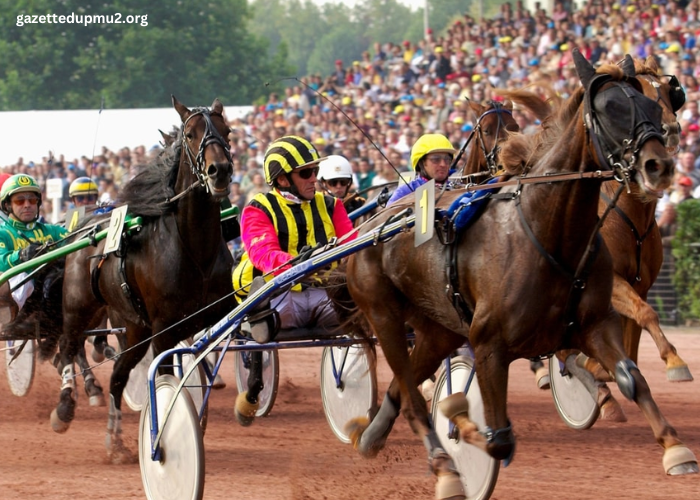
(572, 399)
(477, 469)
(20, 371)
(350, 395)
(271, 374)
(179, 474)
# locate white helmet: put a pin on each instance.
(334, 167)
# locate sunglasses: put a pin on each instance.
(339, 182)
(21, 200)
(436, 159)
(307, 173)
(85, 197)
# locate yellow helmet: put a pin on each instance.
(82, 186)
(430, 143)
(286, 154)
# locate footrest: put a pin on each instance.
(316, 333)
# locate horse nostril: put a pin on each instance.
(212, 169)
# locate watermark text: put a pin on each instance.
(84, 19)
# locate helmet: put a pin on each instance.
(286, 154)
(334, 167)
(82, 186)
(430, 143)
(18, 183)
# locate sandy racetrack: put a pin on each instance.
(293, 455)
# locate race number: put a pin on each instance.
(116, 226)
(73, 218)
(425, 212)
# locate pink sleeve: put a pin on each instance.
(342, 222)
(261, 242)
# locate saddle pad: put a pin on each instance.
(465, 209)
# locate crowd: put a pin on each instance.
(395, 93)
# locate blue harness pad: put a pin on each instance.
(465, 209)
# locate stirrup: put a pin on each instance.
(264, 325)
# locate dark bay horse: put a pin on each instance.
(532, 273)
(176, 265)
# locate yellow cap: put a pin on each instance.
(476, 78)
(347, 101)
(438, 50)
(564, 47)
(458, 120)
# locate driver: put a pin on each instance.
(278, 225)
(335, 178)
(21, 238)
(431, 158)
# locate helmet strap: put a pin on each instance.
(292, 189)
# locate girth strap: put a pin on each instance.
(640, 239)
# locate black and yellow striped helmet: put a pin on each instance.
(286, 154)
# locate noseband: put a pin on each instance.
(491, 155)
(211, 136)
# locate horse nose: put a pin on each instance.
(659, 166)
(219, 169)
(671, 134)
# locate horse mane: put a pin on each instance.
(148, 192)
(520, 151)
(646, 66)
(539, 103)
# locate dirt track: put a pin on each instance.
(293, 455)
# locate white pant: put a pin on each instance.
(305, 309)
(22, 293)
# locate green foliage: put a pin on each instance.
(686, 251)
(193, 50)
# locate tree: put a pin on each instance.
(193, 50)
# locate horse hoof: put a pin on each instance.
(245, 410)
(542, 377)
(679, 374)
(354, 430)
(97, 400)
(58, 425)
(612, 411)
(449, 487)
(110, 352)
(679, 460)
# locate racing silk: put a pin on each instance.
(275, 228)
(15, 235)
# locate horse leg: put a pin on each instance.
(92, 385)
(497, 438)
(541, 373)
(63, 414)
(126, 361)
(413, 406)
(628, 303)
(247, 403)
(425, 358)
(604, 342)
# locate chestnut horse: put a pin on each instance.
(175, 266)
(532, 281)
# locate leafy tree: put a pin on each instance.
(686, 251)
(194, 51)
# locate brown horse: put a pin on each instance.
(175, 266)
(532, 281)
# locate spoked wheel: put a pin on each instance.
(353, 393)
(573, 401)
(20, 371)
(196, 384)
(136, 390)
(180, 471)
(270, 376)
(476, 468)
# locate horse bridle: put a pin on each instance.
(490, 156)
(211, 136)
(620, 156)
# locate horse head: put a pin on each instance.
(667, 91)
(495, 120)
(624, 125)
(204, 138)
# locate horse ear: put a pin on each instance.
(627, 66)
(180, 108)
(585, 70)
(651, 63)
(217, 107)
(477, 108)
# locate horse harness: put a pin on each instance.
(490, 156)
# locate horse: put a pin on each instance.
(162, 277)
(529, 281)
